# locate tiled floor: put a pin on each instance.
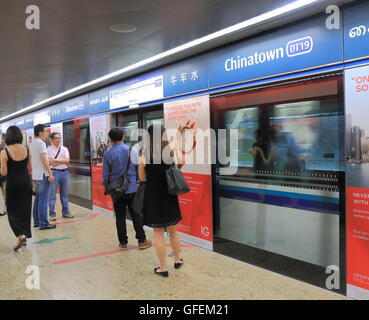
(103, 272)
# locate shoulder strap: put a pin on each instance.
(57, 153)
(129, 161)
(8, 154)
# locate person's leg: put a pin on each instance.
(52, 196)
(174, 242)
(36, 220)
(137, 220)
(120, 220)
(64, 192)
(2, 201)
(160, 248)
(43, 193)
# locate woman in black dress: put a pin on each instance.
(161, 210)
(16, 165)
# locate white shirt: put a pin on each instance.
(38, 170)
(63, 154)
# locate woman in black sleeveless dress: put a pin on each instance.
(15, 164)
(161, 210)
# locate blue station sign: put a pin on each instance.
(75, 107)
(98, 100)
(305, 45)
(356, 31)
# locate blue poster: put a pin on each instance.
(356, 31)
(98, 100)
(304, 45)
(75, 107)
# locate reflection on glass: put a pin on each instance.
(76, 137)
(284, 197)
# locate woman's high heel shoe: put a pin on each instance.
(179, 264)
(161, 273)
(20, 242)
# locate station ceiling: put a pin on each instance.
(75, 45)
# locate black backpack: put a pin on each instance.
(119, 186)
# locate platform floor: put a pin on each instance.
(81, 260)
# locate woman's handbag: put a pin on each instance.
(34, 188)
(138, 200)
(177, 184)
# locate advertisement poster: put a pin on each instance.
(99, 128)
(29, 137)
(196, 206)
(57, 127)
(357, 181)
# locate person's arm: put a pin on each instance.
(29, 163)
(4, 163)
(141, 170)
(106, 170)
(45, 163)
(66, 160)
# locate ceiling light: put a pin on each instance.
(123, 28)
(224, 32)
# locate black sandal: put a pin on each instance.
(179, 264)
(2, 214)
(161, 273)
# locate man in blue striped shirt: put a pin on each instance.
(114, 165)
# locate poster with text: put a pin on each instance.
(99, 144)
(357, 181)
(57, 127)
(193, 114)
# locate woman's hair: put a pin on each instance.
(158, 145)
(13, 135)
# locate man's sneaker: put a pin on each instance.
(123, 247)
(144, 245)
(49, 226)
(52, 218)
(68, 215)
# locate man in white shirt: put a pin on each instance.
(59, 161)
(42, 175)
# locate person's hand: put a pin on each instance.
(180, 146)
(51, 179)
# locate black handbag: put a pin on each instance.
(118, 187)
(177, 184)
(138, 200)
(34, 188)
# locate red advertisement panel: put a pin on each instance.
(99, 143)
(196, 206)
(358, 237)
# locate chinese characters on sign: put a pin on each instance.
(185, 76)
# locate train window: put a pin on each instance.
(152, 117)
(285, 196)
(76, 137)
(128, 122)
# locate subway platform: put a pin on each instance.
(80, 259)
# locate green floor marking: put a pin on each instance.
(51, 240)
